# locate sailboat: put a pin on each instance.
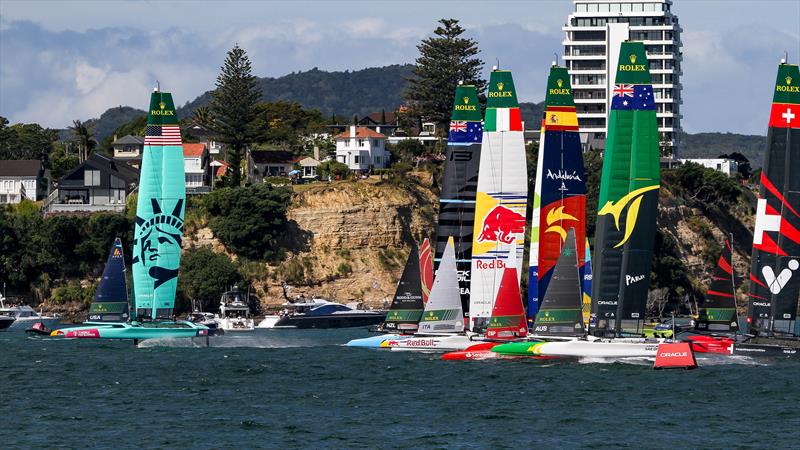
(402, 320)
(625, 226)
(559, 199)
(587, 285)
(501, 199)
(508, 322)
(459, 184)
(158, 234)
(442, 324)
(774, 276)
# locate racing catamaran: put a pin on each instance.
(502, 197)
(157, 236)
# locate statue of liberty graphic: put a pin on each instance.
(158, 241)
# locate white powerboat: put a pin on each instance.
(22, 317)
(320, 313)
(234, 314)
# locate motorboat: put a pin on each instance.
(209, 320)
(234, 314)
(320, 313)
(22, 317)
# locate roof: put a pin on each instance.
(99, 161)
(193, 150)
(309, 162)
(129, 140)
(375, 118)
(272, 157)
(221, 169)
(20, 168)
(361, 132)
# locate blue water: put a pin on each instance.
(302, 389)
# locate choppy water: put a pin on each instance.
(302, 389)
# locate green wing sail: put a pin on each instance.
(628, 199)
(159, 212)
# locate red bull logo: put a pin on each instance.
(502, 225)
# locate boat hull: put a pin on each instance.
(580, 349)
(6, 323)
(128, 331)
(330, 321)
(431, 343)
(377, 341)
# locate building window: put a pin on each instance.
(355, 159)
(360, 142)
(91, 178)
(581, 7)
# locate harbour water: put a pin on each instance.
(302, 389)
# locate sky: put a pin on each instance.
(61, 60)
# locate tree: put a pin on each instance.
(204, 276)
(744, 168)
(233, 108)
(333, 170)
(445, 59)
(250, 220)
(86, 142)
(202, 117)
(25, 141)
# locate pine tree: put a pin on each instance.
(445, 59)
(233, 108)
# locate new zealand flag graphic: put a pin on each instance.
(462, 131)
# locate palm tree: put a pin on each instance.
(86, 142)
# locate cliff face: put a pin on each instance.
(349, 241)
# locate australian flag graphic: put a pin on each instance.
(633, 96)
(464, 131)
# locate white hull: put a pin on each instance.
(633, 348)
(236, 324)
(269, 321)
(433, 343)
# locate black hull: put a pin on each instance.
(6, 323)
(764, 350)
(331, 321)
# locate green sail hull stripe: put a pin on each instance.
(552, 316)
(505, 321)
(726, 315)
(404, 315)
(108, 307)
(440, 315)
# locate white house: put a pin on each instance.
(308, 167)
(20, 179)
(129, 149)
(726, 166)
(195, 166)
(362, 149)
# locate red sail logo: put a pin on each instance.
(502, 225)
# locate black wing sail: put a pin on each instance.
(110, 302)
(774, 274)
(561, 312)
(718, 311)
(407, 305)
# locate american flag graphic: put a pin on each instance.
(163, 135)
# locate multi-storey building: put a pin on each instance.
(594, 32)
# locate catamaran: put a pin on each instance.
(502, 197)
(402, 320)
(158, 234)
(774, 280)
(442, 324)
(559, 198)
(508, 322)
(625, 225)
(459, 185)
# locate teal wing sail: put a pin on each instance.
(159, 212)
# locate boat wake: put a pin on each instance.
(227, 341)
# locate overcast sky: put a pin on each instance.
(64, 60)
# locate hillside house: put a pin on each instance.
(724, 165)
(200, 134)
(101, 183)
(20, 179)
(269, 163)
(196, 168)
(308, 168)
(362, 149)
(129, 149)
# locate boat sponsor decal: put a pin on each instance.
(629, 280)
(501, 224)
(465, 131)
(777, 283)
(426, 269)
(91, 333)
(632, 201)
